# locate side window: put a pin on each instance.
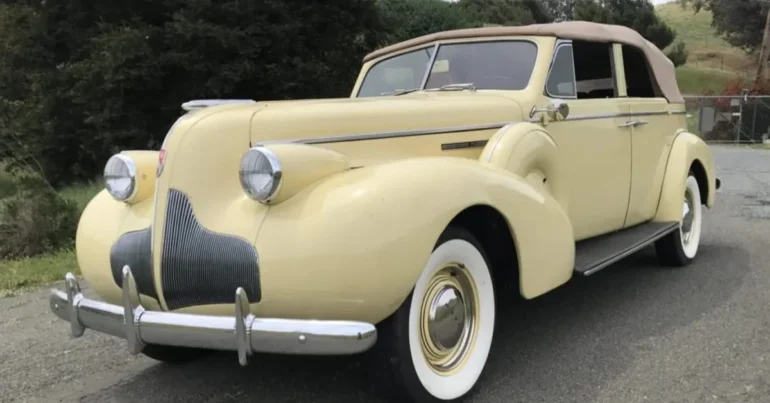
(639, 79)
(594, 70)
(561, 79)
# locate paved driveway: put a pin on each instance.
(632, 333)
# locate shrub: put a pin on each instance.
(678, 54)
(35, 219)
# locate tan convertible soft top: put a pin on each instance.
(662, 67)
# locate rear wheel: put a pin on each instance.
(435, 347)
(680, 247)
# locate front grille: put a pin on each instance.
(199, 266)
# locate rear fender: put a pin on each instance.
(353, 245)
(686, 150)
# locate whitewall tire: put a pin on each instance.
(437, 344)
(680, 247)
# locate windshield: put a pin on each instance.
(499, 65)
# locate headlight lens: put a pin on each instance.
(120, 177)
(260, 174)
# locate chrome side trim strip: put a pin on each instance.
(243, 332)
(387, 135)
(450, 129)
(612, 116)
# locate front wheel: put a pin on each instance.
(680, 247)
(435, 346)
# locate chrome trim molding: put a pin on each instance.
(387, 135)
(244, 332)
(450, 129)
(617, 115)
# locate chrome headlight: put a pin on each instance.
(120, 177)
(260, 174)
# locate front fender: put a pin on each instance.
(686, 150)
(352, 246)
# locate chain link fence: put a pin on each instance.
(739, 119)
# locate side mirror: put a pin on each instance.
(559, 107)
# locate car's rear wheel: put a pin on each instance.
(435, 346)
(173, 354)
(680, 247)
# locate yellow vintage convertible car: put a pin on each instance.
(464, 165)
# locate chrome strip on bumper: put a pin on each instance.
(243, 333)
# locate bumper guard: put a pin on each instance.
(243, 333)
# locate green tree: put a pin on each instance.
(740, 22)
(80, 79)
(507, 12)
(638, 15)
(405, 19)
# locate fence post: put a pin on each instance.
(740, 121)
(754, 120)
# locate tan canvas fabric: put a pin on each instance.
(662, 67)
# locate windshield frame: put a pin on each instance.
(431, 62)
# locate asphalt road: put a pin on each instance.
(634, 332)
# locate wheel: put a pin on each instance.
(435, 346)
(680, 247)
(173, 354)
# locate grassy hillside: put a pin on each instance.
(712, 61)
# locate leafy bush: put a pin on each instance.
(35, 219)
(678, 54)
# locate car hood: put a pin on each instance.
(312, 119)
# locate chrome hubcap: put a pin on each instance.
(446, 318)
(688, 216)
(449, 319)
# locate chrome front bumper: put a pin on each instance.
(243, 333)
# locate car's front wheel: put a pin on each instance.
(680, 247)
(435, 347)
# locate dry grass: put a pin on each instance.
(712, 61)
(707, 49)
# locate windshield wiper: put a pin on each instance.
(400, 92)
(448, 87)
(457, 87)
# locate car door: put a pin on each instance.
(653, 124)
(592, 140)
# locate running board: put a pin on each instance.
(594, 254)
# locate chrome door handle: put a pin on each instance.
(630, 123)
(633, 123)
